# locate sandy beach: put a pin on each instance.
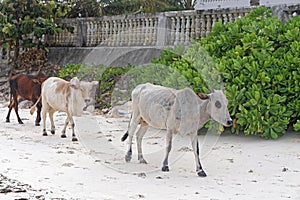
(33, 166)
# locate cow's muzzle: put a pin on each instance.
(229, 122)
(88, 102)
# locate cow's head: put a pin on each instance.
(89, 90)
(39, 78)
(217, 106)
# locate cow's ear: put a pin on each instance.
(223, 89)
(203, 96)
(41, 80)
(74, 82)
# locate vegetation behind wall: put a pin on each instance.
(256, 58)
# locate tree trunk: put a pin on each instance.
(16, 54)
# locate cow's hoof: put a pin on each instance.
(37, 124)
(20, 122)
(63, 136)
(143, 161)
(52, 132)
(127, 158)
(45, 134)
(7, 121)
(74, 139)
(165, 169)
(201, 173)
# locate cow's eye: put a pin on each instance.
(218, 104)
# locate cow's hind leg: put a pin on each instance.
(44, 115)
(133, 125)
(139, 137)
(13, 104)
(16, 105)
(195, 144)
(51, 113)
(10, 106)
(38, 114)
(165, 167)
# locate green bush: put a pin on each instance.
(108, 80)
(81, 71)
(107, 77)
(257, 59)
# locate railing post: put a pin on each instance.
(82, 33)
(162, 30)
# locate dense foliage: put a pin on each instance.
(257, 58)
(84, 8)
(81, 71)
(23, 24)
(118, 7)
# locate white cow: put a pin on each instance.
(176, 111)
(70, 97)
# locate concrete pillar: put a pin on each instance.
(81, 32)
(162, 30)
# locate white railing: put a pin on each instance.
(160, 29)
(170, 28)
(123, 30)
(187, 26)
(140, 30)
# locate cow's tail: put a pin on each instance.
(10, 98)
(125, 136)
(32, 109)
(13, 86)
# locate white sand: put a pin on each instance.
(238, 167)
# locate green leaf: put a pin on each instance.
(273, 134)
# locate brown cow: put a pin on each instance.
(27, 87)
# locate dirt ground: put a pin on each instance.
(33, 166)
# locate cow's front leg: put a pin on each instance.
(195, 145)
(74, 138)
(63, 132)
(165, 167)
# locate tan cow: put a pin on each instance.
(176, 111)
(69, 97)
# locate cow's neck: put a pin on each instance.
(204, 114)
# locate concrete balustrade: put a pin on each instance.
(160, 29)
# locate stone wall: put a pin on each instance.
(107, 56)
(160, 29)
